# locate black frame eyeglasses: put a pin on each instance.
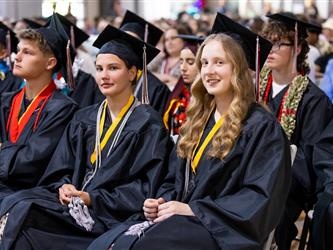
(278, 44)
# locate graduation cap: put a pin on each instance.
(59, 43)
(31, 23)
(76, 35)
(130, 49)
(290, 21)
(134, 23)
(192, 42)
(8, 37)
(255, 47)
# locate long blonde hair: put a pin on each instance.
(203, 103)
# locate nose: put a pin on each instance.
(209, 69)
(183, 67)
(18, 57)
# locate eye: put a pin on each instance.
(204, 63)
(99, 69)
(220, 62)
(190, 62)
(113, 67)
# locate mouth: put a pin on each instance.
(212, 82)
(107, 85)
(17, 66)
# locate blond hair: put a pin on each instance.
(202, 103)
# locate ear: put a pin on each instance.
(51, 63)
(299, 49)
(132, 73)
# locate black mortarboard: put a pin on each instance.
(4, 31)
(32, 24)
(127, 47)
(76, 35)
(246, 38)
(192, 42)
(289, 20)
(57, 39)
(130, 49)
(136, 24)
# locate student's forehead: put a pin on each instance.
(25, 43)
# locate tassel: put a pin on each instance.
(139, 229)
(144, 99)
(9, 50)
(257, 67)
(72, 37)
(295, 50)
(69, 68)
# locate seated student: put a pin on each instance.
(111, 157)
(8, 42)
(234, 161)
(85, 90)
(322, 229)
(175, 113)
(33, 119)
(158, 93)
(302, 109)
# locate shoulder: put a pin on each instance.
(313, 95)
(259, 118)
(87, 114)
(59, 100)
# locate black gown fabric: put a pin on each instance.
(237, 202)
(158, 93)
(86, 92)
(323, 212)
(132, 172)
(23, 163)
(10, 83)
(313, 114)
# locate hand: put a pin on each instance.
(150, 208)
(85, 197)
(170, 208)
(66, 193)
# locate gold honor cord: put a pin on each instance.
(113, 125)
(196, 157)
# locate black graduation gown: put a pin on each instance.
(323, 212)
(158, 92)
(23, 163)
(131, 173)
(313, 114)
(237, 202)
(10, 83)
(86, 92)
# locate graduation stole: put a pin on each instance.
(15, 125)
(112, 127)
(291, 99)
(196, 155)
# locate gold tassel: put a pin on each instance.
(72, 37)
(70, 78)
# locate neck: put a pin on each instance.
(283, 76)
(33, 87)
(222, 105)
(116, 103)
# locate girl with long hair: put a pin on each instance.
(229, 176)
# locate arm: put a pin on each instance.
(24, 163)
